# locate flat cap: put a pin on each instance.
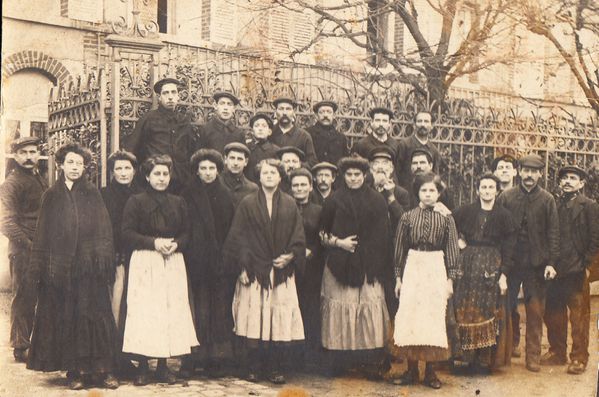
(238, 147)
(383, 151)
(574, 169)
(532, 161)
(207, 154)
(168, 80)
(504, 157)
(224, 94)
(259, 116)
(383, 110)
(291, 149)
(353, 162)
(318, 105)
(24, 141)
(288, 100)
(324, 166)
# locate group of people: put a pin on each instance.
(281, 250)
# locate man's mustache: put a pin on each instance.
(29, 162)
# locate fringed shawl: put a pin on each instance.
(74, 235)
(255, 239)
(361, 212)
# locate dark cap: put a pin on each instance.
(291, 149)
(504, 157)
(259, 116)
(422, 152)
(300, 172)
(532, 161)
(353, 162)
(288, 100)
(318, 105)
(24, 141)
(324, 166)
(224, 94)
(238, 147)
(383, 110)
(168, 80)
(381, 151)
(207, 154)
(574, 169)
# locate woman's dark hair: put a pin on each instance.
(427, 177)
(72, 147)
(207, 154)
(488, 175)
(273, 163)
(121, 155)
(153, 161)
(301, 172)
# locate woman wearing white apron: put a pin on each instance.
(156, 228)
(426, 263)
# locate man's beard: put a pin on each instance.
(285, 121)
(380, 131)
(323, 187)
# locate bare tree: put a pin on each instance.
(435, 64)
(572, 27)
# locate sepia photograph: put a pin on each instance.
(328, 198)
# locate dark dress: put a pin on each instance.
(74, 327)
(211, 213)
(479, 307)
(308, 286)
(115, 196)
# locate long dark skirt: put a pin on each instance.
(308, 292)
(479, 309)
(74, 329)
(213, 318)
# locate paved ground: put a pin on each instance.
(17, 381)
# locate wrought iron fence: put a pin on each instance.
(103, 107)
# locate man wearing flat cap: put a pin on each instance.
(164, 131)
(236, 160)
(579, 246)
(379, 133)
(537, 243)
(330, 144)
(287, 133)
(20, 199)
(324, 179)
(260, 145)
(418, 140)
(221, 129)
(292, 159)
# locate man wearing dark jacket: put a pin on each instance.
(236, 159)
(287, 132)
(579, 245)
(20, 196)
(221, 130)
(330, 144)
(535, 213)
(379, 133)
(164, 131)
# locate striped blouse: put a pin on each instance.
(425, 229)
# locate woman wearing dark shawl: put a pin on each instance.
(487, 236)
(73, 251)
(156, 227)
(122, 165)
(266, 244)
(210, 212)
(355, 226)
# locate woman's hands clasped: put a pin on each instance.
(165, 246)
(282, 260)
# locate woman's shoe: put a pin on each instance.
(110, 382)
(432, 381)
(165, 376)
(276, 378)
